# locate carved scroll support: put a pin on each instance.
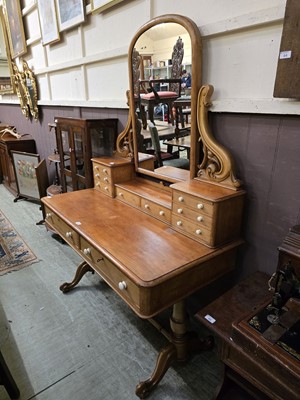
(218, 165)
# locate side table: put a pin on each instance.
(218, 316)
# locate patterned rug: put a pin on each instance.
(14, 253)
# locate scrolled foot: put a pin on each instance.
(165, 358)
(82, 269)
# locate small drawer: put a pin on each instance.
(63, 229)
(128, 197)
(105, 188)
(195, 230)
(156, 210)
(197, 217)
(101, 171)
(196, 203)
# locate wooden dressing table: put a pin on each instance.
(157, 235)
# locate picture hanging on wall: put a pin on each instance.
(70, 13)
(15, 28)
(48, 21)
(102, 5)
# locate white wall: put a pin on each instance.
(88, 66)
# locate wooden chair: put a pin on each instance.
(163, 157)
(155, 97)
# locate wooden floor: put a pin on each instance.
(86, 344)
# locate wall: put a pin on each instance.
(85, 75)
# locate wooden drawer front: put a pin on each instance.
(114, 277)
(156, 210)
(196, 203)
(64, 230)
(102, 179)
(199, 232)
(203, 220)
(128, 197)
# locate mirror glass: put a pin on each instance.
(161, 50)
(6, 82)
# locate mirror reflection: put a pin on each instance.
(6, 83)
(162, 84)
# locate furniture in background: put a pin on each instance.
(259, 332)
(173, 85)
(183, 143)
(182, 107)
(78, 140)
(8, 143)
(164, 157)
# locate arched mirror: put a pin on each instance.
(158, 53)
(6, 81)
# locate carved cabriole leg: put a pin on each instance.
(82, 269)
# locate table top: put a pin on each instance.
(184, 141)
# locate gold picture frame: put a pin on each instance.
(15, 27)
(102, 5)
(48, 21)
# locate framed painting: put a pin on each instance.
(15, 28)
(102, 5)
(70, 13)
(25, 165)
(48, 21)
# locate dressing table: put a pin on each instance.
(157, 235)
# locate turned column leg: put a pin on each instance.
(82, 269)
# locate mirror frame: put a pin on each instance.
(196, 71)
(8, 54)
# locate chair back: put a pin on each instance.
(155, 143)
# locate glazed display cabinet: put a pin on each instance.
(79, 140)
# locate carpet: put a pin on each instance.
(14, 252)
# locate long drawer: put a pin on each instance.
(110, 273)
(63, 229)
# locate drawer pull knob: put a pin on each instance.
(147, 206)
(68, 234)
(181, 199)
(97, 184)
(200, 218)
(106, 188)
(122, 285)
(87, 251)
(200, 206)
(104, 170)
(180, 210)
(105, 179)
(179, 223)
(198, 232)
(162, 213)
(97, 175)
(48, 215)
(121, 194)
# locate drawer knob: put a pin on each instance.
(68, 234)
(179, 223)
(121, 194)
(122, 285)
(87, 251)
(48, 215)
(106, 188)
(198, 232)
(200, 218)
(147, 206)
(200, 206)
(180, 210)
(162, 213)
(105, 179)
(97, 184)
(97, 175)
(181, 199)
(104, 170)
